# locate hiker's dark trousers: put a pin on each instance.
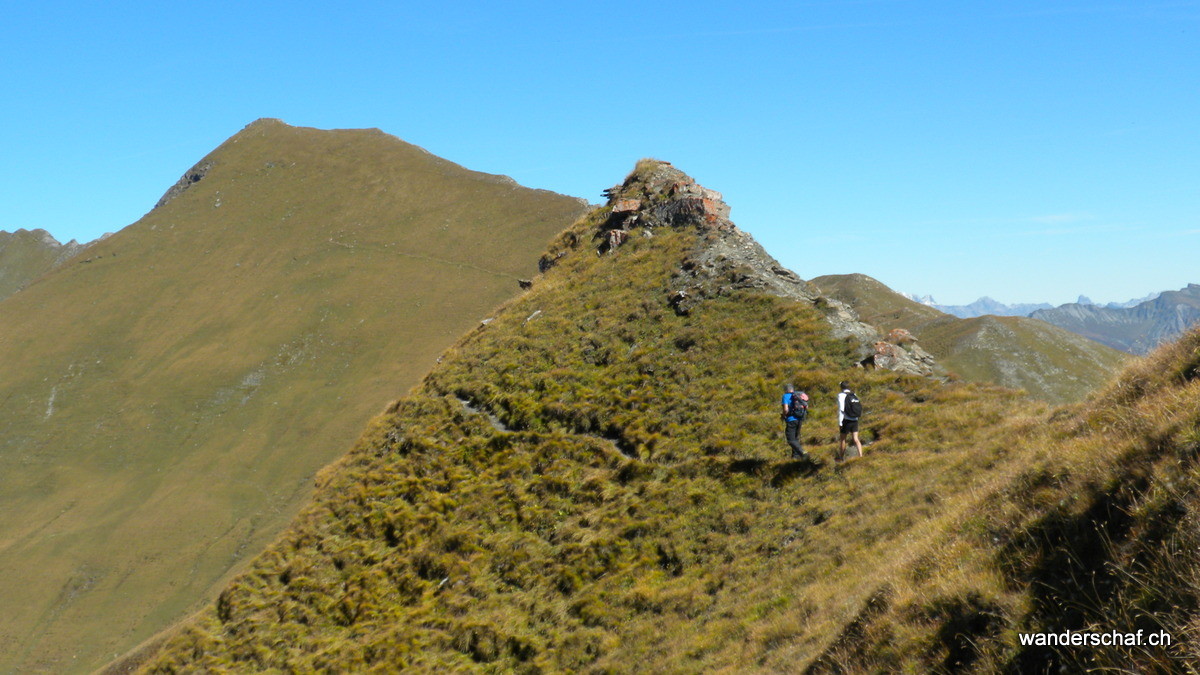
(792, 432)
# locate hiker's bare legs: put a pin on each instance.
(841, 454)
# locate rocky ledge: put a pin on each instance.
(658, 195)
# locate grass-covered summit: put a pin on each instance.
(167, 395)
(594, 479)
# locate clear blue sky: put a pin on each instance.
(1030, 151)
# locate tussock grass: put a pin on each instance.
(1094, 530)
(635, 509)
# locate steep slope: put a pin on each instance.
(167, 398)
(27, 254)
(595, 478)
(1050, 363)
(1094, 540)
(1136, 329)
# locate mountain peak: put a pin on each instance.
(656, 193)
(724, 259)
(267, 122)
(302, 255)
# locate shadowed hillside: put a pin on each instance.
(1049, 362)
(27, 254)
(167, 398)
(595, 479)
(1097, 534)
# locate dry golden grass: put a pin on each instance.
(166, 404)
(635, 510)
(595, 483)
(1095, 530)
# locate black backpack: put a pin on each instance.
(852, 408)
(798, 406)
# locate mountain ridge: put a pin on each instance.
(190, 374)
(595, 478)
(1137, 329)
(571, 486)
(987, 305)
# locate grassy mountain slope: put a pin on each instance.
(879, 305)
(596, 480)
(167, 400)
(1049, 362)
(1097, 533)
(27, 254)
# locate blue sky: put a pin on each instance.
(1030, 151)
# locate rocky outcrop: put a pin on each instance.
(911, 359)
(191, 177)
(658, 195)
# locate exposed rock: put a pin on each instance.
(846, 323)
(891, 356)
(191, 177)
(658, 195)
(627, 206)
(616, 238)
(525, 283)
(681, 302)
(548, 261)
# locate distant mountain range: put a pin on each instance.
(1137, 329)
(985, 305)
(1135, 326)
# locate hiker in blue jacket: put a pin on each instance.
(795, 410)
(849, 410)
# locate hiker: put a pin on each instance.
(849, 410)
(795, 411)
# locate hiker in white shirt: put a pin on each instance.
(848, 420)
